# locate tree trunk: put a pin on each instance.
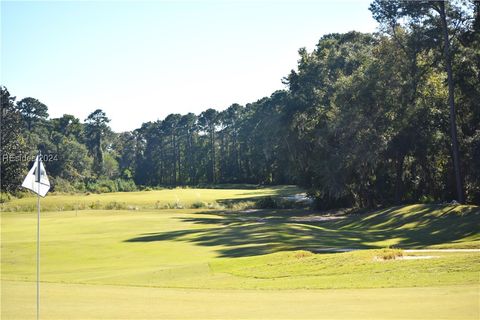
(212, 145)
(174, 151)
(451, 102)
(399, 179)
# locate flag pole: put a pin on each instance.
(38, 235)
(37, 181)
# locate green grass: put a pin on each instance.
(268, 231)
(222, 264)
(359, 269)
(69, 301)
(156, 199)
(188, 248)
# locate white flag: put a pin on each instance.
(36, 179)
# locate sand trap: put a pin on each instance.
(249, 211)
(299, 198)
(416, 257)
(442, 250)
(405, 258)
(316, 218)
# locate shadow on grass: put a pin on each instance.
(266, 231)
(275, 192)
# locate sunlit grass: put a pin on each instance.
(80, 302)
(358, 269)
(176, 198)
(180, 248)
(108, 262)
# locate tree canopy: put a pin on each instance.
(364, 120)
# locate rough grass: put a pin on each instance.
(178, 198)
(389, 254)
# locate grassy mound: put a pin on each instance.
(358, 269)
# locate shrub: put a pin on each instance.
(22, 194)
(426, 199)
(95, 205)
(198, 205)
(241, 205)
(266, 203)
(79, 186)
(104, 186)
(101, 186)
(177, 205)
(389, 254)
(5, 197)
(125, 185)
(303, 254)
(62, 185)
(114, 205)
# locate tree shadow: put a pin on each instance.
(253, 196)
(249, 233)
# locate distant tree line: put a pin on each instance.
(365, 120)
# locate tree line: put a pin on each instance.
(364, 120)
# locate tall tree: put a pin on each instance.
(171, 130)
(439, 17)
(468, 96)
(188, 133)
(208, 121)
(32, 111)
(96, 129)
(12, 144)
(69, 126)
(125, 145)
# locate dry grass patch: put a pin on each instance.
(389, 254)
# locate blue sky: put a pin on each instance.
(140, 61)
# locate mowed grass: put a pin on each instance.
(197, 249)
(359, 269)
(178, 198)
(71, 301)
(216, 264)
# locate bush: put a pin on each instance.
(389, 254)
(95, 205)
(177, 205)
(198, 205)
(426, 199)
(125, 185)
(266, 203)
(5, 197)
(114, 205)
(101, 186)
(62, 185)
(22, 194)
(303, 254)
(104, 186)
(240, 205)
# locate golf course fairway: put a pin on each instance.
(73, 301)
(217, 263)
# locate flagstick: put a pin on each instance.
(33, 181)
(38, 256)
(38, 238)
